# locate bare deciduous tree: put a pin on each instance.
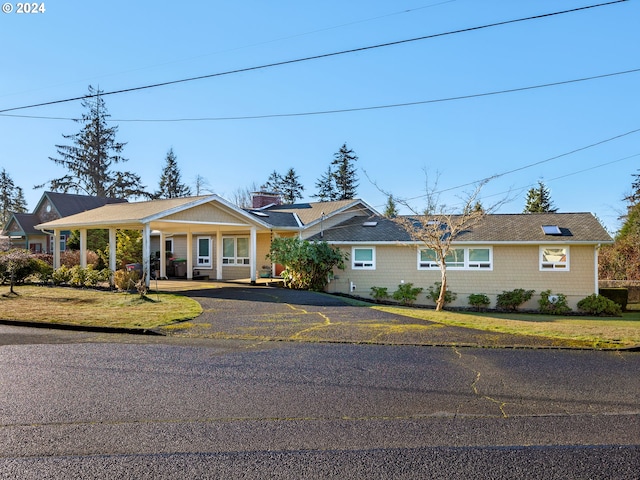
(438, 226)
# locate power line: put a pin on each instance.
(315, 57)
(347, 110)
(524, 167)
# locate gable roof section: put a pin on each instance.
(22, 223)
(497, 228)
(69, 204)
(312, 212)
(136, 214)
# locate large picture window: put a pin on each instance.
(235, 251)
(204, 252)
(472, 258)
(363, 258)
(554, 258)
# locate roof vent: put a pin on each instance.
(551, 230)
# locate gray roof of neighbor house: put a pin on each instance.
(495, 228)
(309, 212)
(70, 204)
(27, 222)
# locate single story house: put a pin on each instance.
(21, 227)
(218, 240)
(533, 251)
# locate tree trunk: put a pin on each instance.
(443, 290)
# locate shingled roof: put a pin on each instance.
(69, 204)
(495, 228)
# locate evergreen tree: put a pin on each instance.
(326, 187)
(344, 174)
(291, 187)
(171, 185)
(93, 153)
(11, 198)
(391, 209)
(634, 197)
(273, 183)
(539, 200)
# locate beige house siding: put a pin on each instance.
(514, 266)
(207, 212)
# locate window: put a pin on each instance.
(554, 258)
(474, 258)
(168, 245)
(63, 243)
(204, 251)
(235, 251)
(479, 258)
(364, 258)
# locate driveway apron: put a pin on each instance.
(265, 313)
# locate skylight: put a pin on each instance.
(369, 224)
(551, 230)
(259, 214)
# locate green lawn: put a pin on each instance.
(88, 307)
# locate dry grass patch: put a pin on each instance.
(600, 332)
(96, 308)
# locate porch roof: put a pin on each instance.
(162, 213)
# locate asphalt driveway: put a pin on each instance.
(266, 313)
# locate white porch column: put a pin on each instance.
(112, 249)
(189, 255)
(83, 247)
(56, 249)
(163, 255)
(146, 254)
(218, 254)
(253, 253)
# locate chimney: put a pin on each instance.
(264, 199)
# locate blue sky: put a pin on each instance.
(118, 44)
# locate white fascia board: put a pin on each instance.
(212, 198)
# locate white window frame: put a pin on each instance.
(168, 241)
(363, 265)
(204, 261)
(554, 266)
(235, 260)
(467, 264)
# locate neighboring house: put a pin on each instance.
(21, 227)
(217, 240)
(533, 251)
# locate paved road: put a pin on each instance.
(78, 405)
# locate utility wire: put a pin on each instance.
(524, 167)
(346, 110)
(315, 57)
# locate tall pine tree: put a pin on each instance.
(93, 154)
(326, 187)
(11, 198)
(539, 200)
(291, 187)
(344, 173)
(171, 185)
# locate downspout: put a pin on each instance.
(595, 261)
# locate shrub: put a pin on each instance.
(407, 293)
(307, 265)
(617, 295)
(553, 304)
(599, 305)
(433, 292)
(479, 301)
(126, 280)
(379, 293)
(511, 300)
(61, 275)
